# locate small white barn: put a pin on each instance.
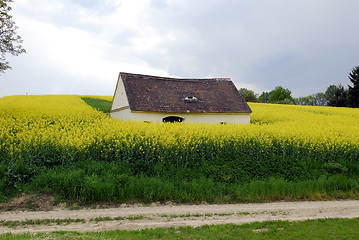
(161, 99)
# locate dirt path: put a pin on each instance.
(172, 215)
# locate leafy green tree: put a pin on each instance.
(337, 96)
(330, 93)
(264, 97)
(317, 99)
(10, 42)
(248, 95)
(353, 92)
(320, 99)
(281, 95)
(302, 101)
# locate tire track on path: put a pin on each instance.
(140, 217)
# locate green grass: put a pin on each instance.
(310, 229)
(14, 224)
(98, 104)
(111, 183)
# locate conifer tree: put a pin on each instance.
(353, 93)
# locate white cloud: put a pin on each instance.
(302, 45)
(73, 58)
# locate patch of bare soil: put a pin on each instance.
(30, 202)
(132, 217)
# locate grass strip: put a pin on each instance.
(309, 229)
(98, 104)
(130, 218)
(29, 222)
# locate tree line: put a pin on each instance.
(334, 95)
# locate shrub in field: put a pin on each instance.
(60, 144)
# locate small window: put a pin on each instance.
(190, 98)
(172, 119)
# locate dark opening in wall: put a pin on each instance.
(172, 119)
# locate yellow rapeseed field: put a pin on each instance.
(60, 144)
(68, 122)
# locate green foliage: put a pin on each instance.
(264, 97)
(99, 104)
(237, 170)
(334, 167)
(248, 95)
(10, 42)
(280, 95)
(89, 186)
(330, 92)
(353, 92)
(318, 99)
(336, 96)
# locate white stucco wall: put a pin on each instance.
(120, 98)
(235, 118)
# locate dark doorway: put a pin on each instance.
(172, 119)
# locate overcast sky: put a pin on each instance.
(80, 46)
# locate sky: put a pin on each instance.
(81, 46)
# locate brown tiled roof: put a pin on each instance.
(172, 95)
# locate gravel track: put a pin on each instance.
(140, 217)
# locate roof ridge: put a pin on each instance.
(163, 94)
(179, 79)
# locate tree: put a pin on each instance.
(320, 99)
(338, 98)
(264, 97)
(303, 101)
(10, 42)
(353, 92)
(248, 95)
(330, 93)
(281, 95)
(317, 99)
